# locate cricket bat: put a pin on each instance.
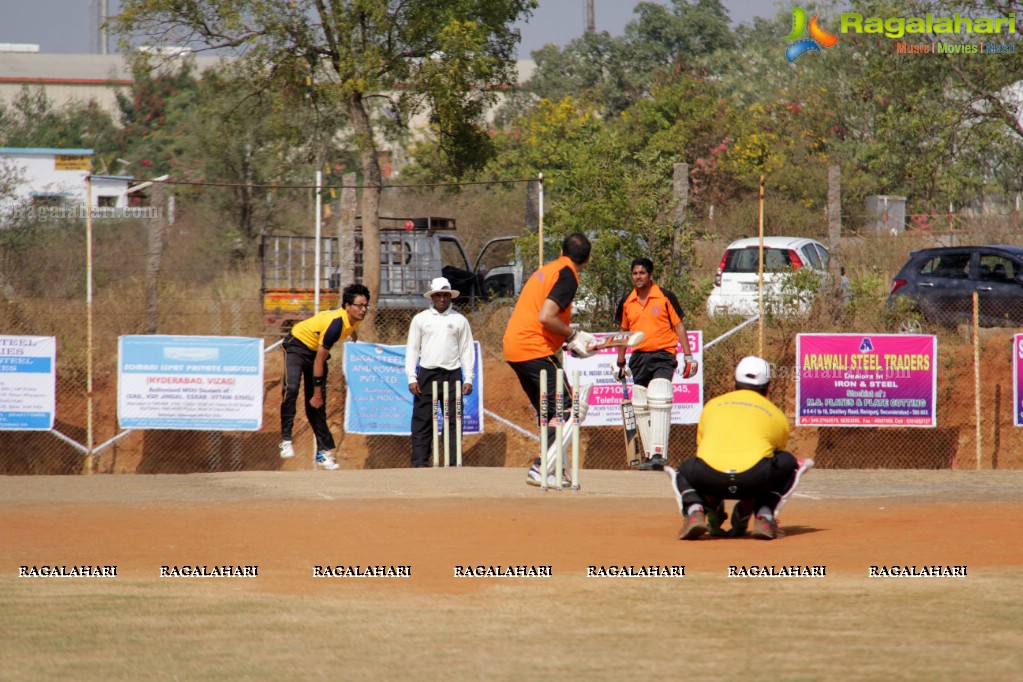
(619, 340)
(631, 428)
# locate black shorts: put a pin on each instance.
(528, 373)
(646, 366)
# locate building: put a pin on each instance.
(51, 177)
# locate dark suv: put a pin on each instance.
(940, 283)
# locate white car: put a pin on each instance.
(735, 284)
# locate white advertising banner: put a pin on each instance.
(28, 382)
(203, 383)
(606, 396)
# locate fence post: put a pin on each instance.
(89, 462)
(680, 190)
(834, 215)
(976, 373)
(346, 231)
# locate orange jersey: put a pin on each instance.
(525, 338)
(657, 319)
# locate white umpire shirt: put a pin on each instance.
(440, 340)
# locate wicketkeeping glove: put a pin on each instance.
(579, 344)
(620, 373)
(691, 367)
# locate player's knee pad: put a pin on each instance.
(639, 401)
(660, 395)
(641, 408)
(584, 401)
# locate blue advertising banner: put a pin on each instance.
(202, 383)
(378, 401)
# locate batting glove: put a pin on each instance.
(579, 344)
(691, 367)
(619, 373)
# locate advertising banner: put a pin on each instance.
(378, 401)
(866, 380)
(606, 396)
(28, 382)
(1017, 379)
(202, 383)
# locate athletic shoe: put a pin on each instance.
(287, 449)
(764, 529)
(740, 520)
(533, 477)
(694, 527)
(655, 463)
(326, 460)
(716, 517)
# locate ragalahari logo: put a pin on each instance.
(818, 36)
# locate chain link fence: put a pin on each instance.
(509, 438)
(202, 291)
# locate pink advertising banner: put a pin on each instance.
(1017, 379)
(866, 380)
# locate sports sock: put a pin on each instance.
(766, 512)
(693, 509)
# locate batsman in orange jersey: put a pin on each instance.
(538, 328)
(656, 312)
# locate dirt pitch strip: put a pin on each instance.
(281, 598)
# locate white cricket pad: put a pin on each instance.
(660, 396)
(642, 411)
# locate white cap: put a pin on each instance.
(753, 370)
(441, 285)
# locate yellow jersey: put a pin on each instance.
(324, 329)
(738, 429)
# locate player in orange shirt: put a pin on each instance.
(539, 327)
(655, 312)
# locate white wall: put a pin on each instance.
(42, 176)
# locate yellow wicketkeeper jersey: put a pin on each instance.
(739, 429)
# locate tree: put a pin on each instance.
(32, 120)
(619, 72)
(446, 57)
(250, 136)
(153, 111)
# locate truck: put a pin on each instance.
(413, 251)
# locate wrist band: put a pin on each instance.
(318, 381)
(621, 363)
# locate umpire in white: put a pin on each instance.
(439, 348)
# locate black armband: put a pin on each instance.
(621, 363)
(318, 381)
